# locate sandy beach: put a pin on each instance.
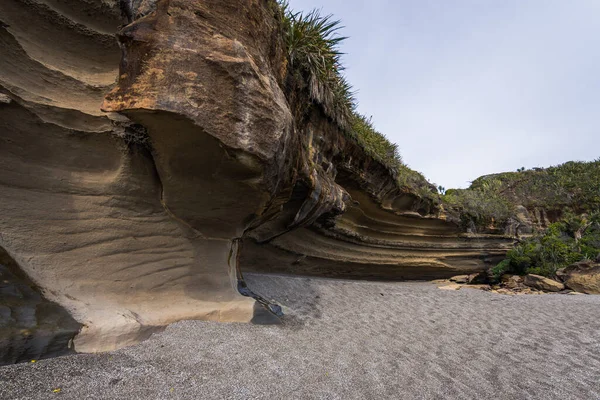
(348, 340)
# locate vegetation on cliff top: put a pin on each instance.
(573, 186)
(312, 43)
(570, 191)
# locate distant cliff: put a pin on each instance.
(526, 201)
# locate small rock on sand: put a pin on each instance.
(452, 286)
(460, 279)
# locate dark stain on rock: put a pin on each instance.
(31, 327)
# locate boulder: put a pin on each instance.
(583, 277)
(542, 283)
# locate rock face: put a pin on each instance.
(140, 175)
(85, 211)
(542, 283)
(583, 277)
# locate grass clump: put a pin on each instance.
(312, 44)
(573, 239)
(374, 142)
(314, 63)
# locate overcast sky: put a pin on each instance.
(472, 87)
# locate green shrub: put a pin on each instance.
(501, 268)
(545, 253)
(315, 69)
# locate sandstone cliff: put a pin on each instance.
(140, 175)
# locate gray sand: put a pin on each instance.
(349, 339)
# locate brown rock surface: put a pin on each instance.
(478, 286)
(84, 211)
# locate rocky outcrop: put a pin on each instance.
(140, 175)
(583, 277)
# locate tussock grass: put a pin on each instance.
(312, 44)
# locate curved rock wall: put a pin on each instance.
(133, 168)
(84, 211)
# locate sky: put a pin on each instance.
(472, 87)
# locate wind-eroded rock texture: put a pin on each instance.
(138, 174)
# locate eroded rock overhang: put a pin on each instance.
(139, 173)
